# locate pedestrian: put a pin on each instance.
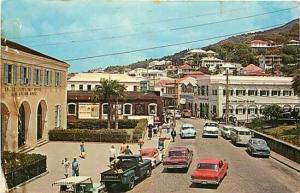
(122, 148)
(205, 117)
(128, 151)
(150, 129)
(141, 143)
(75, 167)
(82, 150)
(173, 134)
(112, 153)
(66, 165)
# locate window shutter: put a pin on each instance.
(34, 76)
(244, 92)
(22, 75)
(248, 111)
(256, 111)
(6, 73)
(244, 110)
(15, 76)
(29, 76)
(41, 77)
(256, 93)
(224, 92)
(268, 93)
(50, 79)
(236, 111)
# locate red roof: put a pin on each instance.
(185, 66)
(253, 70)
(258, 41)
(209, 161)
(162, 83)
(194, 74)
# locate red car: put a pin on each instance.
(186, 113)
(209, 171)
(178, 157)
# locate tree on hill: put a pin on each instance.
(296, 82)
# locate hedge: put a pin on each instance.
(20, 167)
(139, 130)
(116, 136)
(101, 124)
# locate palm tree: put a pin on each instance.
(118, 92)
(296, 82)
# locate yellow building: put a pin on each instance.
(33, 96)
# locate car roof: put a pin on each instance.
(71, 180)
(228, 126)
(178, 148)
(187, 125)
(241, 128)
(209, 161)
(257, 139)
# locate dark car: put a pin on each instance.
(258, 147)
(178, 157)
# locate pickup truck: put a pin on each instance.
(125, 170)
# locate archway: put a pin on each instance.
(4, 124)
(41, 114)
(23, 122)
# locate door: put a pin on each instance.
(39, 122)
(21, 126)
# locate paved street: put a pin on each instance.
(246, 174)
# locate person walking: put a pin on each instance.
(122, 148)
(141, 143)
(75, 167)
(173, 134)
(112, 153)
(66, 165)
(128, 151)
(150, 129)
(82, 150)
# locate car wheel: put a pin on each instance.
(148, 173)
(131, 183)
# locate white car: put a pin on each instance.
(210, 129)
(153, 154)
(225, 131)
(187, 130)
(177, 114)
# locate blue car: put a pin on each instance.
(258, 147)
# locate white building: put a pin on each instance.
(267, 62)
(211, 62)
(142, 72)
(88, 81)
(249, 95)
(159, 65)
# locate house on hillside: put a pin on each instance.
(252, 70)
(212, 63)
(269, 62)
(185, 68)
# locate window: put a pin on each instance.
(8, 74)
(25, 75)
(264, 93)
(252, 92)
(127, 109)
(252, 110)
(202, 90)
(37, 76)
(72, 87)
(105, 109)
(287, 93)
(48, 78)
(89, 87)
(275, 93)
(230, 92)
(57, 116)
(152, 109)
(240, 92)
(71, 109)
(144, 86)
(240, 110)
(140, 109)
(57, 79)
(214, 92)
(81, 87)
(135, 88)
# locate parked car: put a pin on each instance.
(178, 157)
(152, 154)
(126, 170)
(225, 131)
(177, 114)
(258, 147)
(187, 130)
(186, 113)
(209, 171)
(210, 129)
(240, 135)
(76, 184)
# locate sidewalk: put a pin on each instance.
(285, 161)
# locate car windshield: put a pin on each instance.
(185, 128)
(244, 132)
(176, 153)
(211, 124)
(259, 142)
(207, 166)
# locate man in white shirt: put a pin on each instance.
(66, 165)
(112, 153)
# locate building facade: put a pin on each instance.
(248, 95)
(33, 96)
(268, 62)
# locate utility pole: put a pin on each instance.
(227, 98)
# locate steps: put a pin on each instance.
(41, 142)
(24, 149)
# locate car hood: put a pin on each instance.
(260, 147)
(210, 129)
(188, 130)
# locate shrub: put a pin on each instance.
(88, 135)
(101, 124)
(20, 167)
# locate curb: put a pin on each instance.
(286, 164)
(30, 180)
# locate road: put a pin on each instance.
(246, 174)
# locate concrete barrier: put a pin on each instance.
(285, 149)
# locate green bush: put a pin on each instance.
(88, 135)
(20, 167)
(101, 124)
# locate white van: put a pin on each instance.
(240, 135)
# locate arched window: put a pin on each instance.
(71, 109)
(104, 108)
(152, 109)
(127, 109)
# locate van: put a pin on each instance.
(240, 135)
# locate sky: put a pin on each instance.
(76, 29)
